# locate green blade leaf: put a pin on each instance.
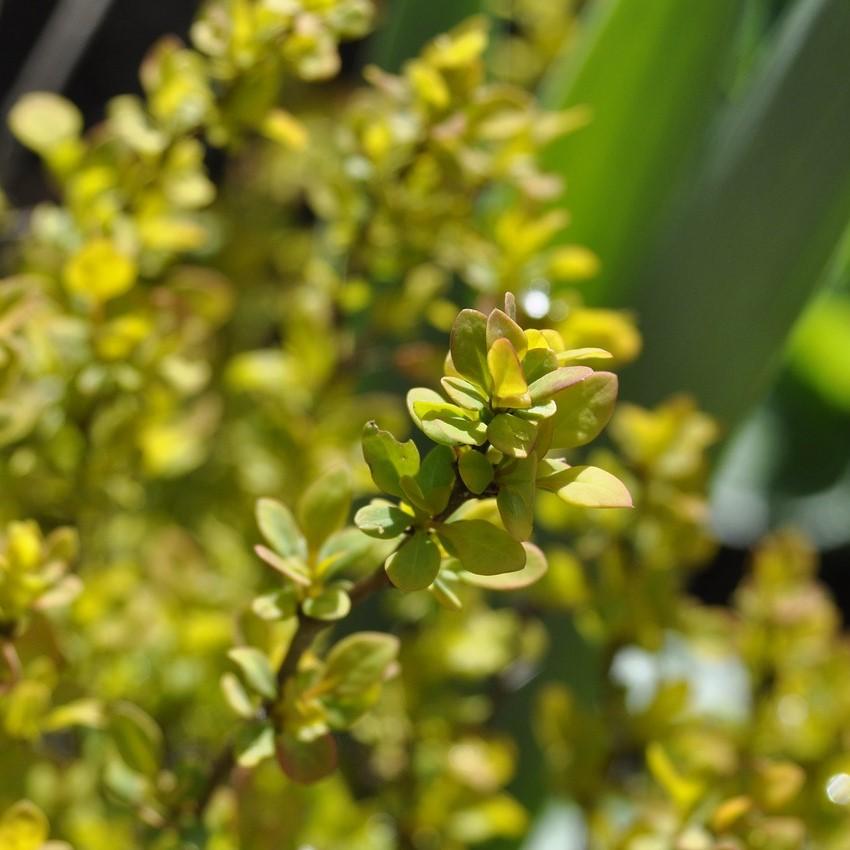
(416, 563)
(388, 459)
(755, 234)
(591, 487)
(656, 66)
(481, 547)
(464, 393)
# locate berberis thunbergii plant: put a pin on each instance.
(512, 401)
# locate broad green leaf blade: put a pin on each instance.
(293, 568)
(388, 459)
(416, 563)
(745, 252)
(649, 73)
(591, 487)
(278, 526)
(481, 547)
(464, 393)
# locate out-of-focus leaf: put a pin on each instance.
(23, 827)
(137, 738)
(591, 487)
(278, 527)
(324, 507)
(745, 252)
(307, 761)
(256, 669)
(649, 73)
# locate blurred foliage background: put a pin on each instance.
(703, 147)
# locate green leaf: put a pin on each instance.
(382, 519)
(293, 568)
(42, 121)
(515, 498)
(23, 827)
(137, 738)
(416, 564)
(584, 410)
(359, 661)
(449, 425)
(475, 470)
(333, 603)
(502, 326)
(591, 487)
(352, 550)
(464, 393)
(307, 762)
(468, 347)
(388, 459)
(512, 435)
(577, 355)
(548, 385)
(657, 66)
(534, 569)
(324, 507)
(236, 696)
(278, 526)
(763, 228)
(538, 362)
(481, 547)
(421, 394)
(256, 669)
(277, 605)
(254, 744)
(436, 478)
(509, 386)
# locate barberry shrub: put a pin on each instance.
(241, 606)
